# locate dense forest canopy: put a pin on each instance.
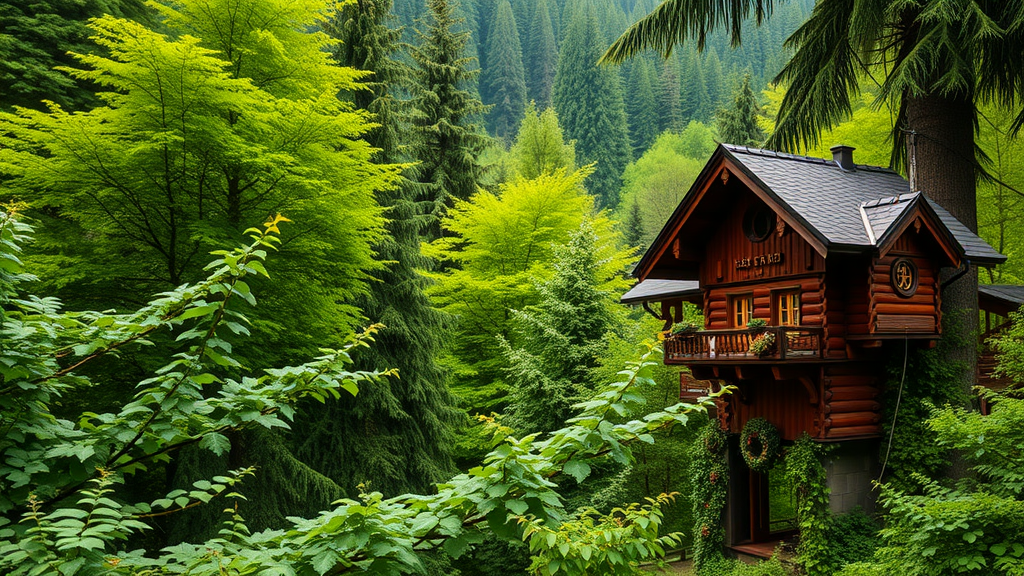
(300, 287)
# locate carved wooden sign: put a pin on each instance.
(903, 276)
(758, 261)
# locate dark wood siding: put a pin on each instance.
(784, 403)
(728, 244)
(890, 312)
(717, 314)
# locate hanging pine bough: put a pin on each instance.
(62, 510)
(759, 444)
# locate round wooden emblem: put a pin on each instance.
(904, 277)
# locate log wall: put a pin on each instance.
(892, 313)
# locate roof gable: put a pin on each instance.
(832, 208)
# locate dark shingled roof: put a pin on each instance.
(846, 207)
(649, 290)
(1010, 294)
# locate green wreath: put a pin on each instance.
(759, 444)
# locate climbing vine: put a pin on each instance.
(805, 471)
(709, 472)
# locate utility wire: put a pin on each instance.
(899, 396)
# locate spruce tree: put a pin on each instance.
(541, 55)
(589, 102)
(642, 107)
(738, 123)
(395, 434)
(503, 80)
(38, 36)
(695, 93)
(560, 339)
(448, 140)
(669, 98)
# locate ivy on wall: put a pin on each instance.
(709, 473)
(805, 471)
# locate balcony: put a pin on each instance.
(784, 343)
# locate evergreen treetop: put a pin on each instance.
(540, 146)
(589, 102)
(449, 141)
(738, 124)
(503, 81)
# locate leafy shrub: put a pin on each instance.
(853, 537)
(61, 510)
(757, 323)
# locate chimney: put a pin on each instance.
(843, 156)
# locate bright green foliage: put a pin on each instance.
(805, 471)
(199, 134)
(1010, 347)
(660, 178)
(739, 124)
(503, 83)
(589, 102)
(397, 433)
(449, 142)
(500, 247)
(38, 36)
(593, 543)
(540, 55)
(975, 527)
(560, 339)
(709, 478)
(1000, 209)
(642, 106)
(61, 477)
(540, 147)
(929, 381)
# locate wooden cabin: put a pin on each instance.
(840, 261)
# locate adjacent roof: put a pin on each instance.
(1009, 295)
(661, 290)
(845, 210)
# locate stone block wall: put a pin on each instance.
(851, 467)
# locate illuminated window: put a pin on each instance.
(788, 306)
(742, 309)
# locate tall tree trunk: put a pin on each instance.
(945, 172)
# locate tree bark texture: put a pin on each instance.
(946, 173)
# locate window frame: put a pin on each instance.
(734, 312)
(777, 308)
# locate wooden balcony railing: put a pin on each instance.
(786, 343)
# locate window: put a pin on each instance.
(758, 223)
(742, 309)
(787, 305)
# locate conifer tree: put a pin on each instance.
(448, 140)
(738, 123)
(642, 108)
(589, 102)
(669, 98)
(541, 54)
(695, 94)
(540, 147)
(715, 81)
(560, 339)
(395, 434)
(39, 36)
(503, 81)
(635, 227)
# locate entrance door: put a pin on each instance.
(772, 504)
